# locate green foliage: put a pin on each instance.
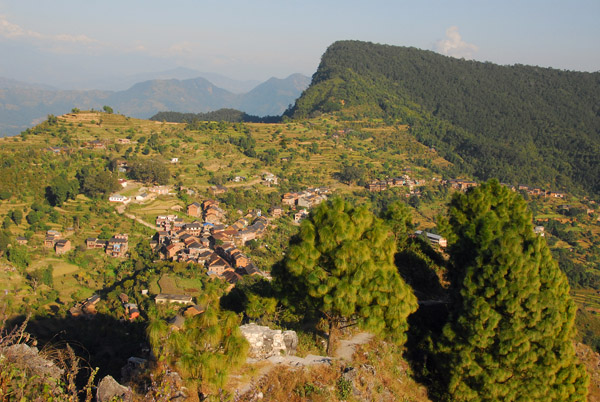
(352, 174)
(517, 123)
(398, 217)
(149, 171)
(343, 388)
(228, 115)
(107, 109)
(96, 184)
(5, 195)
(4, 240)
(342, 264)
(61, 189)
(16, 215)
(41, 276)
(19, 256)
(207, 347)
(510, 333)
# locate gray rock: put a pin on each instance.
(290, 338)
(29, 357)
(265, 342)
(109, 388)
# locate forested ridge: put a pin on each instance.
(228, 115)
(520, 124)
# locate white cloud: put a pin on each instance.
(10, 30)
(13, 31)
(75, 39)
(454, 46)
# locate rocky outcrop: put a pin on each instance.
(28, 357)
(265, 342)
(109, 389)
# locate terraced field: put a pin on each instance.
(587, 299)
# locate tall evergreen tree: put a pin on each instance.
(510, 335)
(342, 262)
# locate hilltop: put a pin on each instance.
(516, 123)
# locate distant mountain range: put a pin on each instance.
(23, 105)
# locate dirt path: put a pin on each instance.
(346, 348)
(344, 352)
(121, 210)
(140, 220)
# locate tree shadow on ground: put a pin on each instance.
(99, 340)
(423, 268)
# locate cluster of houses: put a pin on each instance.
(209, 242)
(536, 191)
(404, 181)
(131, 309)
(304, 200)
(95, 144)
(460, 184)
(54, 240)
(456, 184)
(463, 185)
(117, 246)
(308, 198)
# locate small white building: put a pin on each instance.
(118, 198)
(434, 238)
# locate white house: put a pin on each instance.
(434, 238)
(118, 198)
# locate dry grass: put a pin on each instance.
(377, 372)
(61, 267)
(591, 361)
(167, 285)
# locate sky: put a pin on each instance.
(76, 43)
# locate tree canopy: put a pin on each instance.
(510, 334)
(342, 263)
(208, 345)
(149, 171)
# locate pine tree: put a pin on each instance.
(343, 263)
(509, 337)
(208, 346)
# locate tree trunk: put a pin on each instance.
(332, 336)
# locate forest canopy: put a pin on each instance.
(520, 124)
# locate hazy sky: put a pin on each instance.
(52, 41)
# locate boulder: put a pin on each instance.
(109, 389)
(265, 342)
(28, 356)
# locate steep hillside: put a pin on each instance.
(517, 123)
